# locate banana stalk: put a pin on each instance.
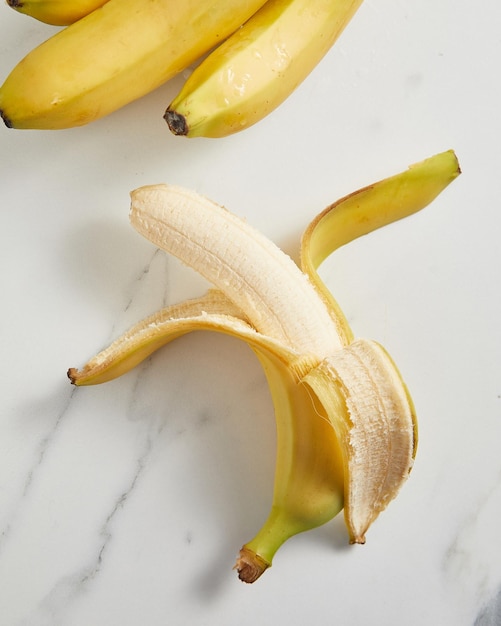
(258, 67)
(346, 425)
(56, 12)
(113, 56)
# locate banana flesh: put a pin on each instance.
(113, 56)
(379, 451)
(248, 270)
(258, 67)
(346, 425)
(56, 12)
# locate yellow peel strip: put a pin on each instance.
(368, 209)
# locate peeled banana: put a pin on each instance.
(346, 426)
(258, 67)
(56, 12)
(113, 56)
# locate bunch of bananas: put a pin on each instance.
(112, 53)
(346, 428)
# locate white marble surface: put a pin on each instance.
(126, 504)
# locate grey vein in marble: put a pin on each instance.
(59, 599)
(41, 451)
(490, 615)
(157, 259)
(469, 556)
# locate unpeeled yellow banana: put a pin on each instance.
(258, 67)
(113, 56)
(56, 12)
(346, 427)
(117, 51)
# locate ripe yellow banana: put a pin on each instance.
(113, 56)
(258, 67)
(346, 428)
(56, 12)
